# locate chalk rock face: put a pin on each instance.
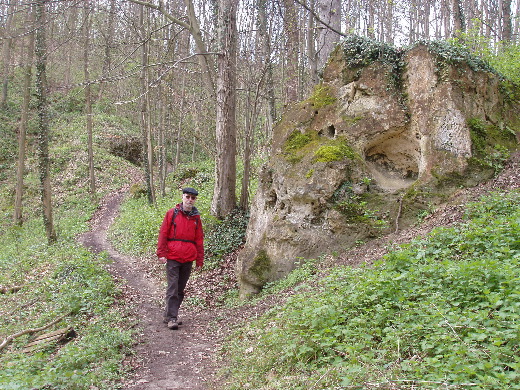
(371, 148)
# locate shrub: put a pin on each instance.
(223, 237)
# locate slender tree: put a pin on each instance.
(458, 18)
(290, 22)
(7, 49)
(507, 26)
(329, 11)
(109, 46)
(18, 215)
(43, 122)
(265, 58)
(312, 55)
(145, 108)
(87, 22)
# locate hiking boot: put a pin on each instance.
(173, 324)
(166, 320)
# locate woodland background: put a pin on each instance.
(203, 79)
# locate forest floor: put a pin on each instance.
(187, 358)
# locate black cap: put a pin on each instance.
(189, 190)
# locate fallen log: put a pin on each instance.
(61, 335)
(9, 339)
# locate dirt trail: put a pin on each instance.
(165, 359)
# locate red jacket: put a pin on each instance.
(182, 240)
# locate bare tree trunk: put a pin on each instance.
(251, 118)
(18, 217)
(312, 55)
(204, 61)
(507, 27)
(370, 20)
(329, 11)
(161, 142)
(145, 111)
(446, 17)
(43, 123)
(107, 60)
(458, 19)
(291, 61)
(179, 127)
(426, 20)
(87, 20)
(6, 52)
(70, 54)
(389, 25)
(516, 30)
(224, 194)
(244, 193)
(266, 58)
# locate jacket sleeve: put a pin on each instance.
(162, 241)
(199, 243)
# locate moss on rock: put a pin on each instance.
(261, 266)
(322, 96)
(335, 150)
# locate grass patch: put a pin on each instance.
(63, 279)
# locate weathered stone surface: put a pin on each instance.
(365, 152)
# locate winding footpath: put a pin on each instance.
(164, 359)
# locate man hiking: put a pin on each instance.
(180, 243)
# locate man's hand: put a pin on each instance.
(162, 260)
(198, 268)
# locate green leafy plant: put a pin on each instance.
(361, 51)
(223, 237)
(440, 310)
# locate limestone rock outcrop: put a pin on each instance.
(380, 140)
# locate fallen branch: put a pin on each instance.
(8, 340)
(61, 336)
(7, 290)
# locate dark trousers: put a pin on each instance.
(178, 275)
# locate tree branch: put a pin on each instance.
(318, 18)
(160, 8)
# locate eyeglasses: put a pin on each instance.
(190, 196)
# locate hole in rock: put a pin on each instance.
(393, 160)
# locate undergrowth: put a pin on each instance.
(61, 280)
(441, 312)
